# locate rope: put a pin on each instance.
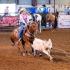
(66, 53)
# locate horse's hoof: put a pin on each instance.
(34, 55)
(29, 54)
(12, 44)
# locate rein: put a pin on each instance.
(29, 34)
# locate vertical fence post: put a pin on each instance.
(54, 6)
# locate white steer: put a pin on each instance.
(43, 46)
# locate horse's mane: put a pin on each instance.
(29, 33)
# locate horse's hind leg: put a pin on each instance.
(47, 53)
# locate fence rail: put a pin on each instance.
(7, 28)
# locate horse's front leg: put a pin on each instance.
(53, 24)
(28, 48)
(20, 48)
(40, 26)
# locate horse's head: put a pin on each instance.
(33, 27)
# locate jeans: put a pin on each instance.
(21, 29)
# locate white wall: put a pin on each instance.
(12, 8)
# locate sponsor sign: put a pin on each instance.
(9, 21)
(64, 21)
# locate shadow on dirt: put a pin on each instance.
(60, 57)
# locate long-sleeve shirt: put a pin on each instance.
(21, 19)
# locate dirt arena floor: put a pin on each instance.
(11, 60)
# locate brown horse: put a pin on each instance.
(51, 19)
(24, 44)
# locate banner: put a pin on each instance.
(64, 21)
(38, 10)
(9, 21)
(31, 10)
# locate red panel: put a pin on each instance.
(9, 21)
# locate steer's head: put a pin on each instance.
(48, 44)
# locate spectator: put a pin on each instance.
(6, 12)
(19, 9)
(68, 11)
(44, 16)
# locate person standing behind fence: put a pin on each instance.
(22, 21)
(6, 12)
(68, 11)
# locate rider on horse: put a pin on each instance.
(22, 22)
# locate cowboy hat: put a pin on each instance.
(22, 10)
